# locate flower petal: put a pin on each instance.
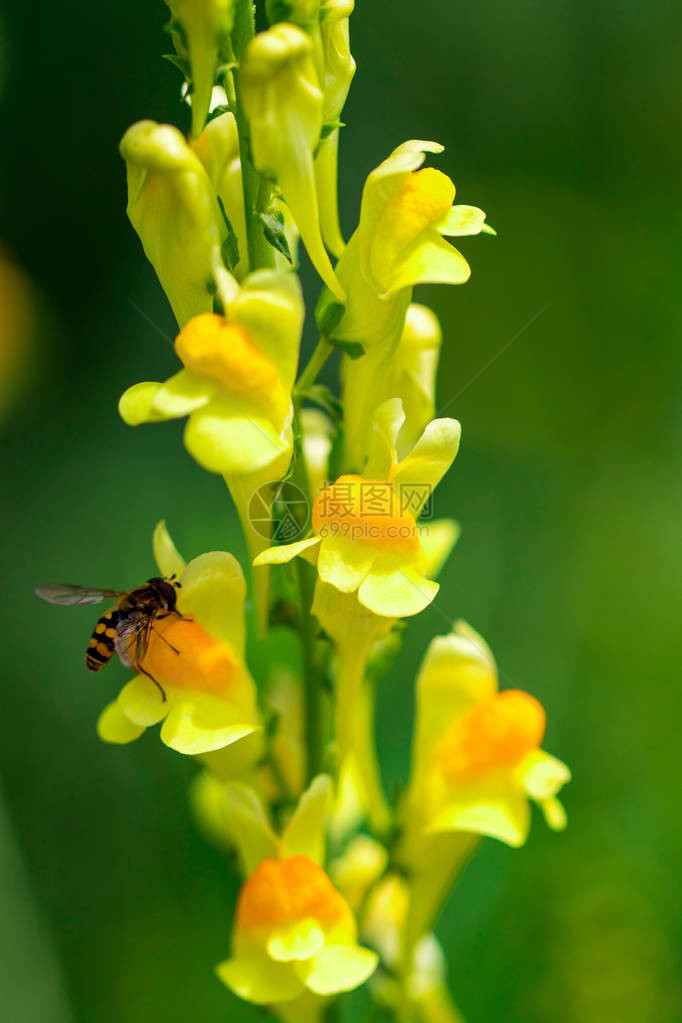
(114, 726)
(287, 552)
(542, 775)
(230, 440)
(254, 837)
(340, 968)
(430, 260)
(181, 394)
(213, 590)
(198, 723)
(259, 980)
(460, 221)
(396, 591)
(490, 807)
(430, 458)
(387, 423)
(438, 540)
(345, 563)
(142, 703)
(304, 835)
(135, 404)
(166, 553)
(302, 940)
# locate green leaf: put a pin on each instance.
(273, 229)
(230, 249)
(223, 108)
(182, 63)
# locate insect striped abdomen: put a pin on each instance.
(101, 645)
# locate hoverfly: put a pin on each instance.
(125, 629)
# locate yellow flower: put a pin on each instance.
(235, 389)
(236, 383)
(398, 243)
(294, 934)
(173, 208)
(283, 102)
(198, 660)
(365, 536)
(200, 29)
(477, 759)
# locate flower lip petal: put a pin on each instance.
(166, 553)
(461, 220)
(259, 979)
(396, 591)
(181, 394)
(115, 727)
(300, 941)
(286, 552)
(340, 968)
(225, 438)
(135, 404)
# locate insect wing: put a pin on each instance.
(132, 639)
(74, 596)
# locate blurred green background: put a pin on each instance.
(562, 120)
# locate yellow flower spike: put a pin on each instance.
(284, 104)
(173, 209)
(198, 660)
(477, 759)
(200, 29)
(398, 243)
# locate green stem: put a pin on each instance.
(312, 677)
(260, 252)
(317, 360)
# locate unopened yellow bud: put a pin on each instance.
(172, 206)
(200, 29)
(283, 101)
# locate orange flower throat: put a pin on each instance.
(498, 732)
(283, 892)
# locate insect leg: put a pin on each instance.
(157, 684)
(161, 636)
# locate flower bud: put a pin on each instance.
(336, 71)
(283, 102)
(172, 206)
(200, 28)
